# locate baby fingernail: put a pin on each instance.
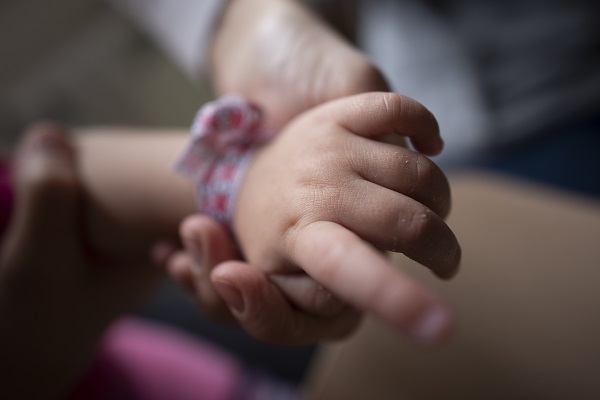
(232, 296)
(432, 325)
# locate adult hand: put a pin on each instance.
(55, 300)
(258, 302)
(283, 57)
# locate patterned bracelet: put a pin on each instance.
(224, 135)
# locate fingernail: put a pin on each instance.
(432, 325)
(232, 296)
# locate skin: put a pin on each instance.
(320, 190)
(283, 57)
(53, 295)
(310, 200)
(279, 296)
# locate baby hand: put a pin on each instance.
(319, 197)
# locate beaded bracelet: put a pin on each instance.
(224, 136)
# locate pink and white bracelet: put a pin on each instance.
(224, 136)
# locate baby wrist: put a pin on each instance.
(224, 137)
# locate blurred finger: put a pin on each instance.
(207, 244)
(179, 267)
(264, 312)
(207, 240)
(161, 252)
(353, 270)
(47, 190)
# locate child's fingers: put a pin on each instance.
(208, 244)
(162, 251)
(353, 270)
(207, 240)
(395, 222)
(403, 171)
(179, 267)
(265, 312)
(378, 113)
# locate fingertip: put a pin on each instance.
(453, 257)
(432, 147)
(192, 227)
(178, 265)
(46, 138)
(46, 155)
(46, 182)
(432, 326)
(430, 144)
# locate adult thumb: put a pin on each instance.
(47, 189)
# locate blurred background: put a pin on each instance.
(82, 63)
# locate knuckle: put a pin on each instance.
(393, 104)
(425, 170)
(419, 226)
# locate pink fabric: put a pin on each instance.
(224, 135)
(139, 360)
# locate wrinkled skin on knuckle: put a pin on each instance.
(319, 181)
(419, 227)
(393, 104)
(424, 170)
